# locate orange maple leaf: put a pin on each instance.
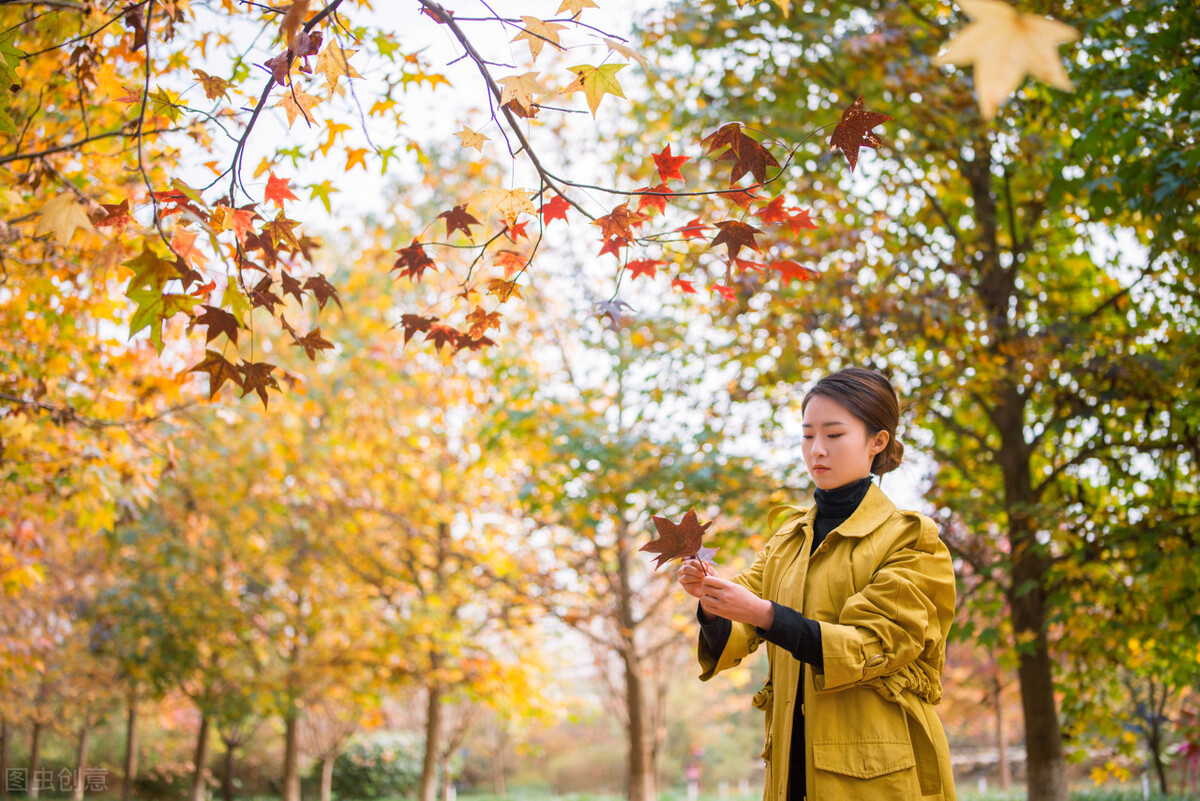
(668, 165)
(620, 222)
(277, 190)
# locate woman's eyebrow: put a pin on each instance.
(825, 425)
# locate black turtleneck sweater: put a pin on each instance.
(790, 630)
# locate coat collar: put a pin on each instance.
(871, 513)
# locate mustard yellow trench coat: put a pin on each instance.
(881, 586)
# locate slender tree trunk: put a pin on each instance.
(447, 779)
(227, 779)
(3, 758)
(1001, 734)
(201, 759)
(291, 757)
(641, 756)
(498, 786)
(327, 776)
(35, 758)
(81, 760)
(131, 748)
(433, 736)
(1154, 739)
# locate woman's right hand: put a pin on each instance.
(691, 577)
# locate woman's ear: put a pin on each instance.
(879, 442)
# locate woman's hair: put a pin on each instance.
(868, 396)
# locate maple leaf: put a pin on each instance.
(648, 267)
(457, 219)
(742, 198)
(537, 33)
(213, 87)
(279, 66)
(256, 376)
(693, 230)
(615, 46)
(62, 216)
(612, 310)
(555, 209)
(668, 165)
(443, 335)
(471, 138)
(499, 288)
(413, 261)
(735, 235)
(520, 88)
(261, 295)
(772, 212)
(116, 215)
(289, 25)
(515, 232)
(799, 221)
(291, 286)
(512, 261)
(619, 222)
(153, 308)
(725, 136)
(654, 196)
(790, 271)
(1005, 45)
(575, 6)
(595, 83)
(334, 63)
(218, 321)
(482, 321)
(150, 270)
(415, 323)
(322, 290)
(854, 131)
(219, 371)
(509, 204)
(279, 231)
(277, 190)
(726, 292)
(676, 540)
(683, 286)
(751, 157)
(614, 246)
(296, 103)
(313, 342)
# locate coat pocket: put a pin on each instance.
(863, 759)
(764, 699)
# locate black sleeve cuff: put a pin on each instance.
(798, 635)
(714, 632)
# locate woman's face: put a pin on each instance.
(837, 447)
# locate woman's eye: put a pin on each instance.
(834, 436)
(808, 436)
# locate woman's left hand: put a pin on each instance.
(735, 602)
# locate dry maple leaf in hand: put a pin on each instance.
(1005, 45)
(679, 540)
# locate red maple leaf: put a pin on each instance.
(683, 286)
(655, 197)
(735, 235)
(772, 212)
(676, 540)
(413, 261)
(668, 165)
(555, 209)
(790, 270)
(854, 131)
(644, 267)
(512, 261)
(726, 292)
(742, 198)
(620, 222)
(443, 335)
(116, 215)
(517, 231)
(277, 190)
(614, 246)
(725, 136)
(693, 230)
(457, 219)
(799, 221)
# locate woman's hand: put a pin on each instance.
(735, 602)
(691, 575)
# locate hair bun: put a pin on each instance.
(889, 458)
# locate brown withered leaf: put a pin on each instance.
(313, 342)
(443, 335)
(414, 323)
(677, 540)
(727, 135)
(219, 371)
(290, 285)
(413, 261)
(734, 235)
(323, 291)
(753, 158)
(218, 321)
(256, 376)
(854, 131)
(457, 219)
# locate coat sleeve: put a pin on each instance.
(904, 613)
(743, 638)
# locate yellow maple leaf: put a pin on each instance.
(356, 155)
(575, 6)
(521, 88)
(595, 83)
(537, 33)
(1005, 45)
(509, 204)
(471, 138)
(334, 64)
(61, 216)
(296, 103)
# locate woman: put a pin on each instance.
(854, 599)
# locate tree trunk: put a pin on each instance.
(35, 758)
(433, 735)
(447, 780)
(227, 779)
(81, 760)
(131, 749)
(498, 786)
(641, 757)
(291, 758)
(327, 776)
(3, 758)
(200, 760)
(1001, 734)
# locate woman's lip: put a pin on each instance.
(820, 469)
